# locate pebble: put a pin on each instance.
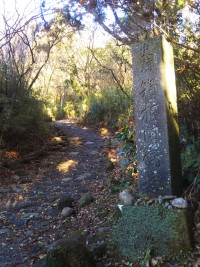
(66, 212)
(85, 199)
(30, 215)
(154, 262)
(83, 176)
(139, 200)
(65, 180)
(89, 143)
(160, 199)
(94, 152)
(151, 201)
(166, 205)
(169, 197)
(126, 198)
(179, 203)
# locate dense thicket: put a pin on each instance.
(22, 117)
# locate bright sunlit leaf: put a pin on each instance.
(58, 139)
(104, 131)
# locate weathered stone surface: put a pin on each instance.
(30, 215)
(83, 176)
(65, 180)
(85, 200)
(179, 203)
(89, 143)
(165, 232)
(66, 212)
(157, 130)
(71, 252)
(126, 198)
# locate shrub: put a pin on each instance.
(22, 116)
(108, 107)
(190, 157)
(127, 152)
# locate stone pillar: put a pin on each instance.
(157, 132)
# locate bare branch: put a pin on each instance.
(112, 72)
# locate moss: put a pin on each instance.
(165, 232)
(69, 252)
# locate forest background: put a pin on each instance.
(72, 59)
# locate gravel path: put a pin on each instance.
(29, 216)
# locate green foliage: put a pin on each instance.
(142, 230)
(71, 109)
(188, 89)
(22, 117)
(108, 107)
(187, 66)
(190, 157)
(58, 112)
(124, 182)
(145, 259)
(127, 153)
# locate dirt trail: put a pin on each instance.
(29, 216)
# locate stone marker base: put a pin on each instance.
(165, 232)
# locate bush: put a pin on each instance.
(109, 107)
(22, 116)
(190, 157)
(188, 88)
(127, 153)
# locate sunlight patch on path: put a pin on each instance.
(64, 167)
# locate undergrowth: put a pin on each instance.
(108, 108)
(190, 156)
(22, 115)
